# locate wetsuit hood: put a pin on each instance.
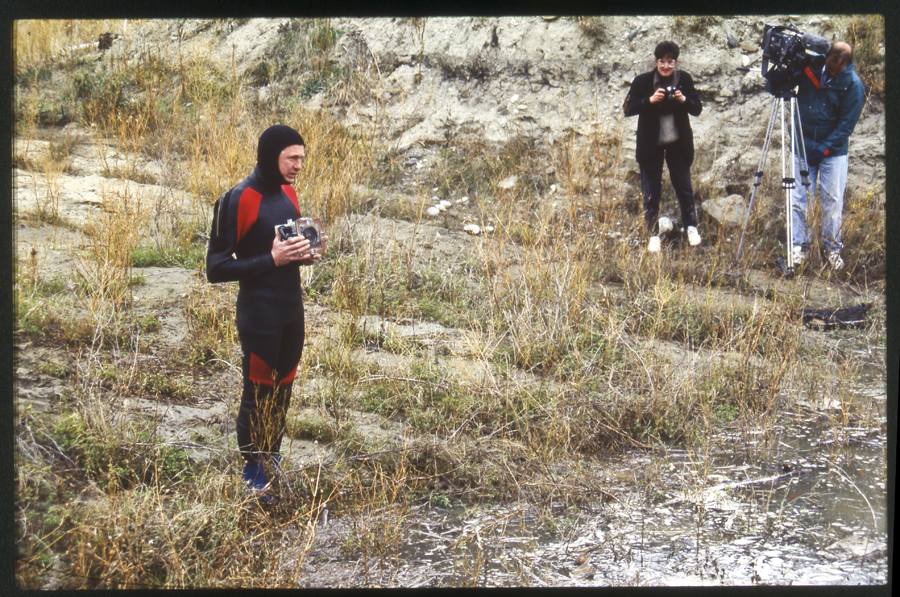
(271, 143)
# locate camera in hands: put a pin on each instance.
(670, 92)
(308, 228)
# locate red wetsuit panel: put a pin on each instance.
(292, 195)
(248, 210)
(289, 378)
(259, 372)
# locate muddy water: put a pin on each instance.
(798, 503)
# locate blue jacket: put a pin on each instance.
(828, 114)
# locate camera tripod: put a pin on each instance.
(785, 100)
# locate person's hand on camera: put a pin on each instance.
(290, 250)
(658, 96)
(816, 157)
(680, 96)
(313, 257)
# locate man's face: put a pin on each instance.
(666, 65)
(290, 161)
(834, 64)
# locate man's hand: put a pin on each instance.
(816, 157)
(314, 258)
(290, 250)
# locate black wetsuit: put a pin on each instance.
(269, 304)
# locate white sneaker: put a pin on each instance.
(693, 236)
(653, 245)
(798, 255)
(834, 259)
(665, 224)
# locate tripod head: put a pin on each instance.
(784, 93)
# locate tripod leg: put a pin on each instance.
(804, 165)
(789, 188)
(759, 174)
(798, 149)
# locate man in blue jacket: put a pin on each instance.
(829, 101)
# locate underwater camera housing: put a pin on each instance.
(308, 228)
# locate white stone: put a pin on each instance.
(508, 183)
(472, 229)
(432, 212)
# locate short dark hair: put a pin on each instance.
(666, 48)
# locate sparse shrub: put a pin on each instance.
(696, 25)
(192, 257)
(310, 427)
(863, 235)
(866, 34)
(592, 27)
(211, 332)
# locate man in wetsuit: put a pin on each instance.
(245, 246)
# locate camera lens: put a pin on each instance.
(311, 234)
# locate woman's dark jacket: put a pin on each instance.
(637, 102)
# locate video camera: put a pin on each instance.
(790, 51)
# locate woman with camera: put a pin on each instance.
(662, 100)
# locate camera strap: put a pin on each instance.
(812, 77)
(657, 80)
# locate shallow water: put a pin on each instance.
(797, 501)
(800, 503)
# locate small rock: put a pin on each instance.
(472, 229)
(508, 183)
(463, 201)
(432, 212)
(726, 210)
(446, 203)
(731, 40)
(749, 47)
(583, 571)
